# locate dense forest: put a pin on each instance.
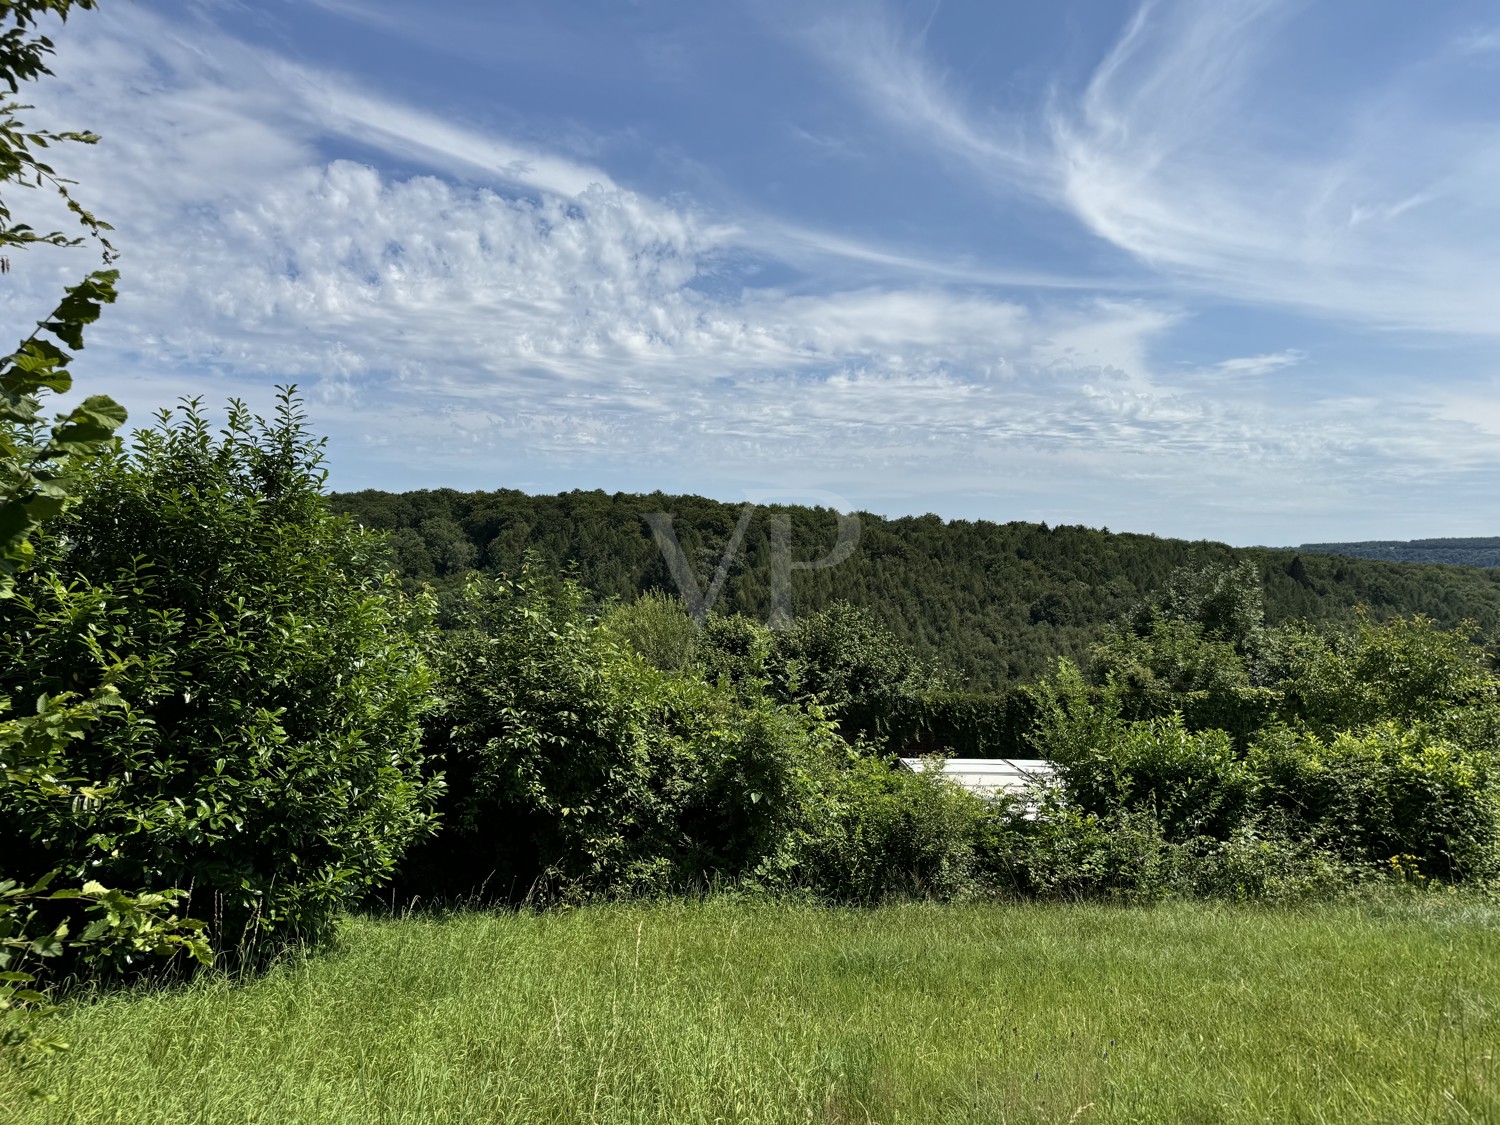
(995, 603)
(1454, 552)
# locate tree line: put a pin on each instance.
(1482, 551)
(994, 603)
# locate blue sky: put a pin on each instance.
(1219, 270)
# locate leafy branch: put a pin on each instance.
(36, 464)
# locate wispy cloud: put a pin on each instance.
(338, 108)
(1181, 149)
(1250, 366)
(885, 63)
(1479, 42)
(526, 313)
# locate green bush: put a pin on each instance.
(266, 754)
(1370, 746)
(1063, 852)
(1254, 863)
(1387, 792)
(1194, 650)
(85, 929)
(658, 627)
(1072, 719)
(1406, 669)
(965, 724)
(1177, 667)
(1193, 782)
(575, 765)
(1058, 851)
(740, 652)
(854, 665)
(879, 832)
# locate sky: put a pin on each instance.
(1223, 270)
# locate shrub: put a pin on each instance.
(658, 627)
(573, 762)
(1060, 851)
(1406, 669)
(1064, 852)
(966, 724)
(1254, 863)
(851, 663)
(878, 832)
(266, 754)
(1193, 782)
(1387, 791)
(739, 651)
(88, 928)
(1178, 667)
(1225, 603)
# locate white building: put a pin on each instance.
(988, 776)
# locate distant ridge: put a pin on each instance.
(1483, 552)
(995, 602)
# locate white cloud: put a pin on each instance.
(1184, 149)
(556, 320)
(887, 68)
(1250, 366)
(1479, 42)
(335, 107)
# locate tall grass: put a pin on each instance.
(751, 1012)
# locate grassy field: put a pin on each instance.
(735, 1012)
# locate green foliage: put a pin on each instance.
(575, 767)
(1388, 792)
(1192, 650)
(1060, 851)
(658, 627)
(997, 603)
(1067, 853)
(1407, 669)
(1074, 719)
(39, 463)
(117, 929)
(741, 653)
(1225, 602)
(1179, 667)
(257, 738)
(1365, 744)
(445, 544)
(966, 724)
(844, 657)
(1192, 783)
(881, 833)
(23, 58)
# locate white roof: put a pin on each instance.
(990, 775)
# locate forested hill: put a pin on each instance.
(1455, 552)
(995, 602)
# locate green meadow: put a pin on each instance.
(736, 1011)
